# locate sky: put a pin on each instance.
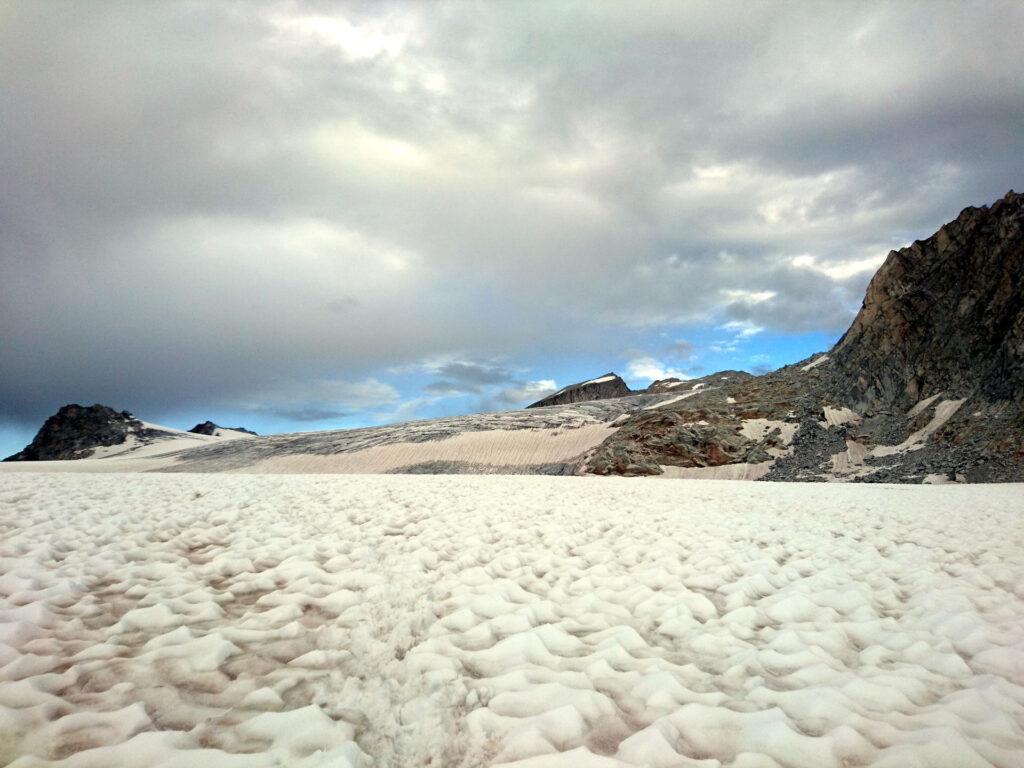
(295, 216)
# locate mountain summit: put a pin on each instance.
(76, 431)
(927, 383)
(601, 388)
(944, 314)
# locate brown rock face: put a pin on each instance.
(666, 437)
(944, 314)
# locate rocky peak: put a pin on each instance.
(601, 388)
(75, 430)
(945, 314)
(664, 385)
(209, 428)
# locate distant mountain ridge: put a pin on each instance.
(82, 432)
(927, 385)
(601, 388)
(209, 428)
(611, 385)
(75, 431)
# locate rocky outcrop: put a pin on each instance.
(678, 386)
(927, 385)
(601, 388)
(659, 386)
(209, 428)
(76, 430)
(671, 438)
(945, 314)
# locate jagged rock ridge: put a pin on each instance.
(944, 314)
(603, 387)
(209, 428)
(926, 385)
(76, 430)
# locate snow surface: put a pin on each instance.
(172, 441)
(837, 416)
(227, 620)
(943, 412)
(741, 471)
(694, 390)
(922, 405)
(601, 380)
(758, 429)
(670, 401)
(814, 363)
(492, 448)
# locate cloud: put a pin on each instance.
(471, 374)
(499, 386)
(308, 414)
(760, 364)
(647, 369)
(723, 346)
(323, 400)
(527, 392)
(448, 388)
(744, 329)
(214, 204)
(681, 349)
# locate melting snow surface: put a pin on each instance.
(670, 401)
(741, 471)
(502, 448)
(693, 391)
(837, 416)
(922, 405)
(174, 440)
(225, 620)
(758, 429)
(943, 412)
(814, 363)
(601, 380)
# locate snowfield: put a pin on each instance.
(262, 620)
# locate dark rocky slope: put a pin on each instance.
(944, 314)
(927, 384)
(76, 430)
(603, 387)
(209, 428)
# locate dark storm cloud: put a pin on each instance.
(474, 374)
(265, 205)
(460, 377)
(308, 414)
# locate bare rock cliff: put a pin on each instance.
(945, 314)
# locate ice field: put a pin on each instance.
(261, 620)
